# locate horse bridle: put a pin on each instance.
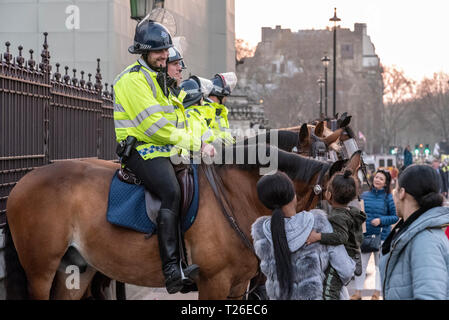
(318, 188)
(314, 150)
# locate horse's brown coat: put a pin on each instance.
(65, 204)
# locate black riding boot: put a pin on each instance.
(167, 233)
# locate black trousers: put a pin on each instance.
(158, 176)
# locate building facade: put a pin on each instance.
(286, 66)
(80, 31)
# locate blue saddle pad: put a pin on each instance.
(126, 206)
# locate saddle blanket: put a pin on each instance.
(132, 206)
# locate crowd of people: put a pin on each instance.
(312, 255)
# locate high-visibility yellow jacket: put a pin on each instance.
(216, 117)
(198, 125)
(142, 110)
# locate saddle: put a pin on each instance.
(184, 175)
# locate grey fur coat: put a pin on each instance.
(309, 261)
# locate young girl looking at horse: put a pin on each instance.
(347, 225)
(294, 270)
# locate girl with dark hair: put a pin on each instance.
(294, 270)
(380, 215)
(347, 223)
(415, 256)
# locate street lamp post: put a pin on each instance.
(320, 83)
(325, 60)
(335, 19)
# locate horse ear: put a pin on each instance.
(319, 129)
(355, 162)
(337, 166)
(303, 132)
(345, 121)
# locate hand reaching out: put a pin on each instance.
(313, 237)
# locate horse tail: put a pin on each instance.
(15, 280)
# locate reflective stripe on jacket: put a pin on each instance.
(142, 110)
(219, 121)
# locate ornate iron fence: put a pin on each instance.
(47, 117)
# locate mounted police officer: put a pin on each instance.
(196, 89)
(175, 65)
(211, 109)
(150, 126)
(223, 84)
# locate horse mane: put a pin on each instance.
(286, 140)
(297, 167)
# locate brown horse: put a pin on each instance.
(64, 204)
(318, 131)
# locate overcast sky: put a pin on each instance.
(411, 34)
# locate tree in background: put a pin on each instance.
(433, 95)
(243, 50)
(398, 91)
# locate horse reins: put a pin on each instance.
(226, 208)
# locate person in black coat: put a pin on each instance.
(443, 177)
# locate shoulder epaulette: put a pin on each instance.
(136, 68)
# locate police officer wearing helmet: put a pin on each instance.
(150, 126)
(195, 89)
(175, 65)
(223, 84)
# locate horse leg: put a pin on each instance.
(217, 287)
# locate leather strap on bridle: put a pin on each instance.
(318, 189)
(226, 208)
(363, 167)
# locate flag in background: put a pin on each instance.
(361, 136)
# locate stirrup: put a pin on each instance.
(191, 276)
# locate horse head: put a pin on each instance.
(309, 140)
(311, 192)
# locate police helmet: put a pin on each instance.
(175, 55)
(223, 83)
(195, 88)
(150, 36)
(192, 87)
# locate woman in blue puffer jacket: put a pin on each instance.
(380, 215)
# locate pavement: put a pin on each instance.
(143, 293)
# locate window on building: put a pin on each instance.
(347, 51)
(282, 68)
(389, 162)
(273, 68)
(381, 163)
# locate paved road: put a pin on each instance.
(143, 293)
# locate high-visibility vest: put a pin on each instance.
(216, 116)
(142, 110)
(198, 125)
